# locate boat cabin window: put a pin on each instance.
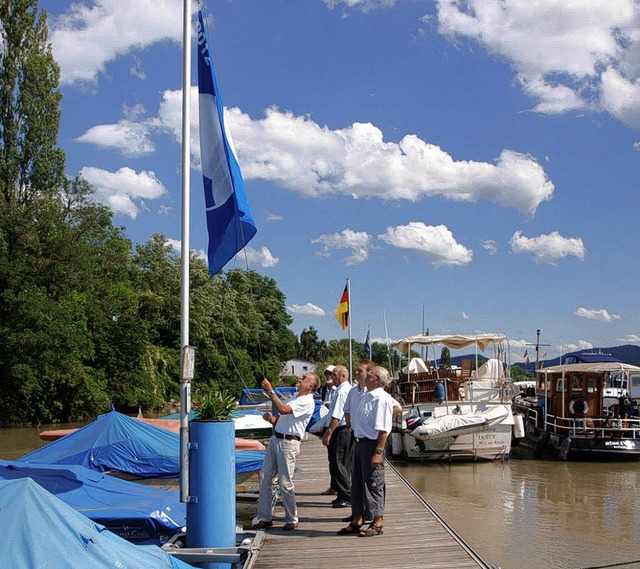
(560, 385)
(591, 385)
(616, 380)
(634, 385)
(577, 383)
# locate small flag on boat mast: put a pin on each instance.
(342, 313)
(525, 357)
(367, 343)
(229, 220)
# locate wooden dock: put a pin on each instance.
(414, 537)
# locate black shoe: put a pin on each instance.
(348, 519)
(342, 504)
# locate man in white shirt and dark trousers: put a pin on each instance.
(283, 449)
(337, 439)
(371, 424)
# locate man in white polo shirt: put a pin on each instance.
(371, 424)
(283, 449)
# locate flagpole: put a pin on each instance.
(350, 319)
(386, 334)
(186, 371)
(369, 336)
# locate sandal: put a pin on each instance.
(350, 529)
(371, 531)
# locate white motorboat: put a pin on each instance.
(455, 412)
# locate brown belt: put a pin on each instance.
(286, 437)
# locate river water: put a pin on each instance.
(517, 514)
(535, 514)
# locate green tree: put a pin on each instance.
(46, 225)
(310, 347)
(445, 357)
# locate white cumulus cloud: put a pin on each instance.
(307, 309)
(436, 242)
(124, 191)
(600, 315)
(90, 35)
(630, 339)
(566, 55)
(357, 241)
(131, 138)
(548, 248)
(260, 257)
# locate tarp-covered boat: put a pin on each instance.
(138, 513)
(40, 530)
(118, 442)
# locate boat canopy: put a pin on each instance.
(118, 442)
(112, 502)
(454, 342)
(40, 530)
(593, 367)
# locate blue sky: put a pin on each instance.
(472, 161)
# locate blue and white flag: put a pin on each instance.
(367, 343)
(229, 220)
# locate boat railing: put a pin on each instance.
(594, 427)
(421, 387)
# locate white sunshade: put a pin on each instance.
(453, 341)
(593, 367)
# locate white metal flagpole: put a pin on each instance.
(186, 370)
(350, 318)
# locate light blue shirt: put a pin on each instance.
(338, 400)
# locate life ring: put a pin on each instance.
(578, 406)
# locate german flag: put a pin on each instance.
(342, 314)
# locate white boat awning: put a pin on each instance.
(454, 342)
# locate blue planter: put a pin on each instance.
(211, 512)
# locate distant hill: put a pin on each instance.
(628, 353)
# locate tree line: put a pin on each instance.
(88, 319)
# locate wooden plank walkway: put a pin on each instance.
(414, 536)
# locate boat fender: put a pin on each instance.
(565, 447)
(439, 391)
(541, 444)
(578, 406)
(518, 426)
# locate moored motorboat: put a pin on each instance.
(454, 413)
(587, 411)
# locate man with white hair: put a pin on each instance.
(284, 446)
(371, 424)
(337, 439)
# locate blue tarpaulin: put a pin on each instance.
(39, 530)
(117, 442)
(133, 511)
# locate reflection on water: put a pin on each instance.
(538, 514)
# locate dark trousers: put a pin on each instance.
(367, 483)
(340, 463)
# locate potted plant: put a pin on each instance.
(215, 405)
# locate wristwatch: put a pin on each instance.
(379, 450)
